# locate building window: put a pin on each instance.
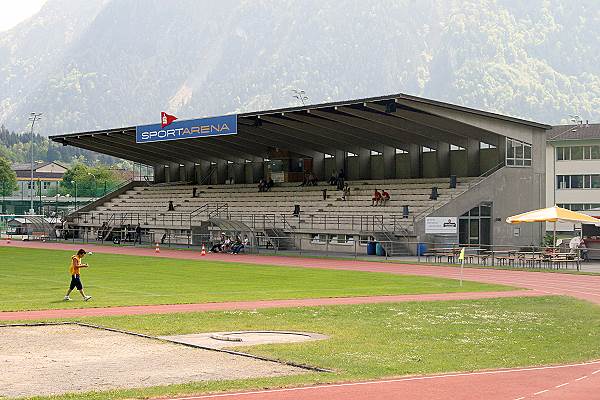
(579, 206)
(400, 151)
(578, 181)
(518, 154)
(427, 149)
(454, 147)
(568, 153)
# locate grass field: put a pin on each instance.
(384, 340)
(37, 279)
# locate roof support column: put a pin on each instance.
(186, 172)
(159, 174)
(364, 164)
(173, 172)
(389, 162)
(473, 157)
(414, 153)
(443, 159)
(340, 160)
(221, 171)
(254, 171)
(202, 170)
(236, 171)
(318, 166)
(501, 151)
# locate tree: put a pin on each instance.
(8, 178)
(91, 181)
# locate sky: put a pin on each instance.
(14, 11)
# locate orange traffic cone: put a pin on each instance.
(203, 252)
(157, 248)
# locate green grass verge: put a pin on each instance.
(37, 279)
(383, 340)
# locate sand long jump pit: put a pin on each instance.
(56, 359)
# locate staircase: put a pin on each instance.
(280, 239)
(391, 243)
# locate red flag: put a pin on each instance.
(166, 119)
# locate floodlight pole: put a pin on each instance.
(32, 117)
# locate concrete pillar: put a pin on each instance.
(318, 161)
(414, 152)
(221, 171)
(340, 160)
(443, 159)
(173, 172)
(389, 162)
(159, 173)
(364, 163)
(501, 150)
(473, 168)
(202, 170)
(236, 171)
(188, 172)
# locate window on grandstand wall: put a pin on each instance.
(454, 147)
(568, 153)
(483, 145)
(518, 154)
(474, 226)
(375, 153)
(427, 149)
(342, 239)
(400, 151)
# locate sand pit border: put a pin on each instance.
(236, 353)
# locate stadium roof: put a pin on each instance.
(395, 120)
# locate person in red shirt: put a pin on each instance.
(385, 197)
(376, 199)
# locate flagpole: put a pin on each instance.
(461, 257)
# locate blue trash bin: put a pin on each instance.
(371, 248)
(379, 250)
(421, 249)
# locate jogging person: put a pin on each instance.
(75, 279)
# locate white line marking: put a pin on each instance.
(540, 392)
(595, 372)
(561, 385)
(583, 377)
(520, 398)
(416, 378)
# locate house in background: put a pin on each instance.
(46, 176)
(573, 168)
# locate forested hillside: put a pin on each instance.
(100, 63)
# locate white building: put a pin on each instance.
(573, 168)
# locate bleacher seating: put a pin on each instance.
(244, 201)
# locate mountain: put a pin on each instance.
(109, 63)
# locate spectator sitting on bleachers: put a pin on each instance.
(376, 199)
(194, 190)
(270, 184)
(171, 206)
(305, 179)
(385, 197)
(312, 179)
(262, 186)
(333, 179)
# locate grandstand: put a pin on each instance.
(406, 145)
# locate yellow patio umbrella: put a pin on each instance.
(552, 214)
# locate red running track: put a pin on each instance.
(563, 382)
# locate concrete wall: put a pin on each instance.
(430, 165)
(511, 191)
(403, 165)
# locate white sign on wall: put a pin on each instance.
(441, 225)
